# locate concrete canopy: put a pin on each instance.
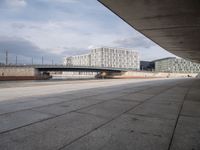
(172, 24)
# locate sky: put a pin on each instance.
(30, 29)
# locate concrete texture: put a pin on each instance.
(18, 71)
(146, 74)
(59, 88)
(174, 25)
(127, 115)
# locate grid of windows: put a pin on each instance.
(106, 57)
(79, 60)
(176, 65)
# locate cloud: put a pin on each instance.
(58, 28)
(136, 42)
(66, 1)
(18, 25)
(71, 51)
(147, 49)
(16, 3)
(25, 50)
(91, 46)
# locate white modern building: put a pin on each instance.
(79, 60)
(106, 57)
(176, 65)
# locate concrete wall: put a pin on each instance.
(75, 75)
(140, 74)
(198, 76)
(18, 71)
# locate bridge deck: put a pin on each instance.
(114, 114)
(70, 68)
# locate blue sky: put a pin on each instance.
(58, 28)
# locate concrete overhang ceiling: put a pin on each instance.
(172, 24)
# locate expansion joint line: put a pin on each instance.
(177, 119)
(63, 102)
(53, 117)
(87, 133)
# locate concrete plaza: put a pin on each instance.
(152, 114)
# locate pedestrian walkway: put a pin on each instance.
(156, 115)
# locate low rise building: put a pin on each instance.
(147, 65)
(176, 65)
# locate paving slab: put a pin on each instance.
(8, 108)
(187, 134)
(171, 96)
(32, 102)
(175, 93)
(130, 89)
(127, 133)
(18, 100)
(68, 106)
(50, 134)
(191, 108)
(154, 90)
(109, 96)
(165, 100)
(157, 110)
(194, 94)
(138, 97)
(21, 118)
(64, 96)
(126, 115)
(109, 109)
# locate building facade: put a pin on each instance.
(79, 60)
(176, 65)
(106, 57)
(147, 65)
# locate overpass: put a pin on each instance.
(77, 68)
(48, 68)
(32, 72)
(172, 24)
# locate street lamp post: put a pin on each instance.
(6, 57)
(16, 60)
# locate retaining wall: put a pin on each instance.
(140, 74)
(19, 73)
